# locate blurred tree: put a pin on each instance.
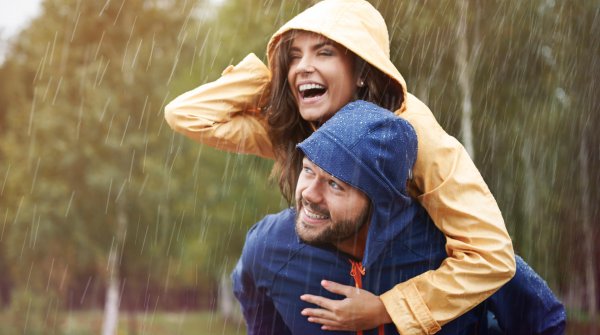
(89, 156)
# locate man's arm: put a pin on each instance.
(259, 311)
(526, 305)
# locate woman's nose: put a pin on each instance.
(305, 65)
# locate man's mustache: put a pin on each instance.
(320, 210)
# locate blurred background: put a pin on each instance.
(109, 220)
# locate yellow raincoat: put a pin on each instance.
(225, 114)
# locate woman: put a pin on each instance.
(330, 54)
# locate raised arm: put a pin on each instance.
(225, 114)
(480, 254)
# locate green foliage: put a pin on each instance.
(32, 314)
(82, 93)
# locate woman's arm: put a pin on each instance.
(225, 114)
(480, 254)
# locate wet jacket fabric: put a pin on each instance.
(526, 305)
(276, 267)
(402, 242)
(226, 114)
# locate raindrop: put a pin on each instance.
(119, 12)
(108, 196)
(4, 224)
(75, 27)
(99, 44)
(50, 275)
(87, 285)
(125, 130)
(104, 8)
(5, 179)
(32, 112)
(121, 190)
(136, 54)
(69, 204)
(37, 167)
(57, 89)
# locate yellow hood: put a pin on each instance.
(355, 24)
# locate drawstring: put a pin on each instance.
(357, 271)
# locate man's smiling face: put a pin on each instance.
(328, 211)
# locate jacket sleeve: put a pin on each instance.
(257, 307)
(480, 254)
(225, 114)
(526, 305)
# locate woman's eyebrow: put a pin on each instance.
(322, 44)
(314, 47)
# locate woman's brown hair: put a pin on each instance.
(286, 126)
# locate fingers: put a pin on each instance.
(340, 289)
(318, 300)
(325, 318)
(328, 324)
(318, 313)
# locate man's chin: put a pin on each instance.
(314, 242)
(308, 235)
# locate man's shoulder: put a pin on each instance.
(275, 224)
(272, 231)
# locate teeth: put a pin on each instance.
(314, 215)
(305, 87)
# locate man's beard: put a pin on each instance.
(336, 231)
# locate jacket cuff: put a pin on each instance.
(408, 311)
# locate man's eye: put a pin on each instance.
(334, 185)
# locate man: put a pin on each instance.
(354, 224)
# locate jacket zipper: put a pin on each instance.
(357, 271)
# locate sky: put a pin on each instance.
(14, 15)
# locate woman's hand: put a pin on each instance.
(358, 311)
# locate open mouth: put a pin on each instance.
(313, 215)
(308, 91)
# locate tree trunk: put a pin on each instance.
(588, 239)
(228, 305)
(464, 64)
(111, 305)
(529, 204)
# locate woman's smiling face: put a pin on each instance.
(320, 76)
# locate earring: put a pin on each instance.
(361, 83)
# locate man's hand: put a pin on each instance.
(358, 311)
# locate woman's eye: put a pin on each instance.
(325, 52)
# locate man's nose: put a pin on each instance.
(312, 193)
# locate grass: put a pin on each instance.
(153, 323)
(200, 323)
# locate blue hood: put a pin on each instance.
(354, 146)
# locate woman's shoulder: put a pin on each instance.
(418, 114)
